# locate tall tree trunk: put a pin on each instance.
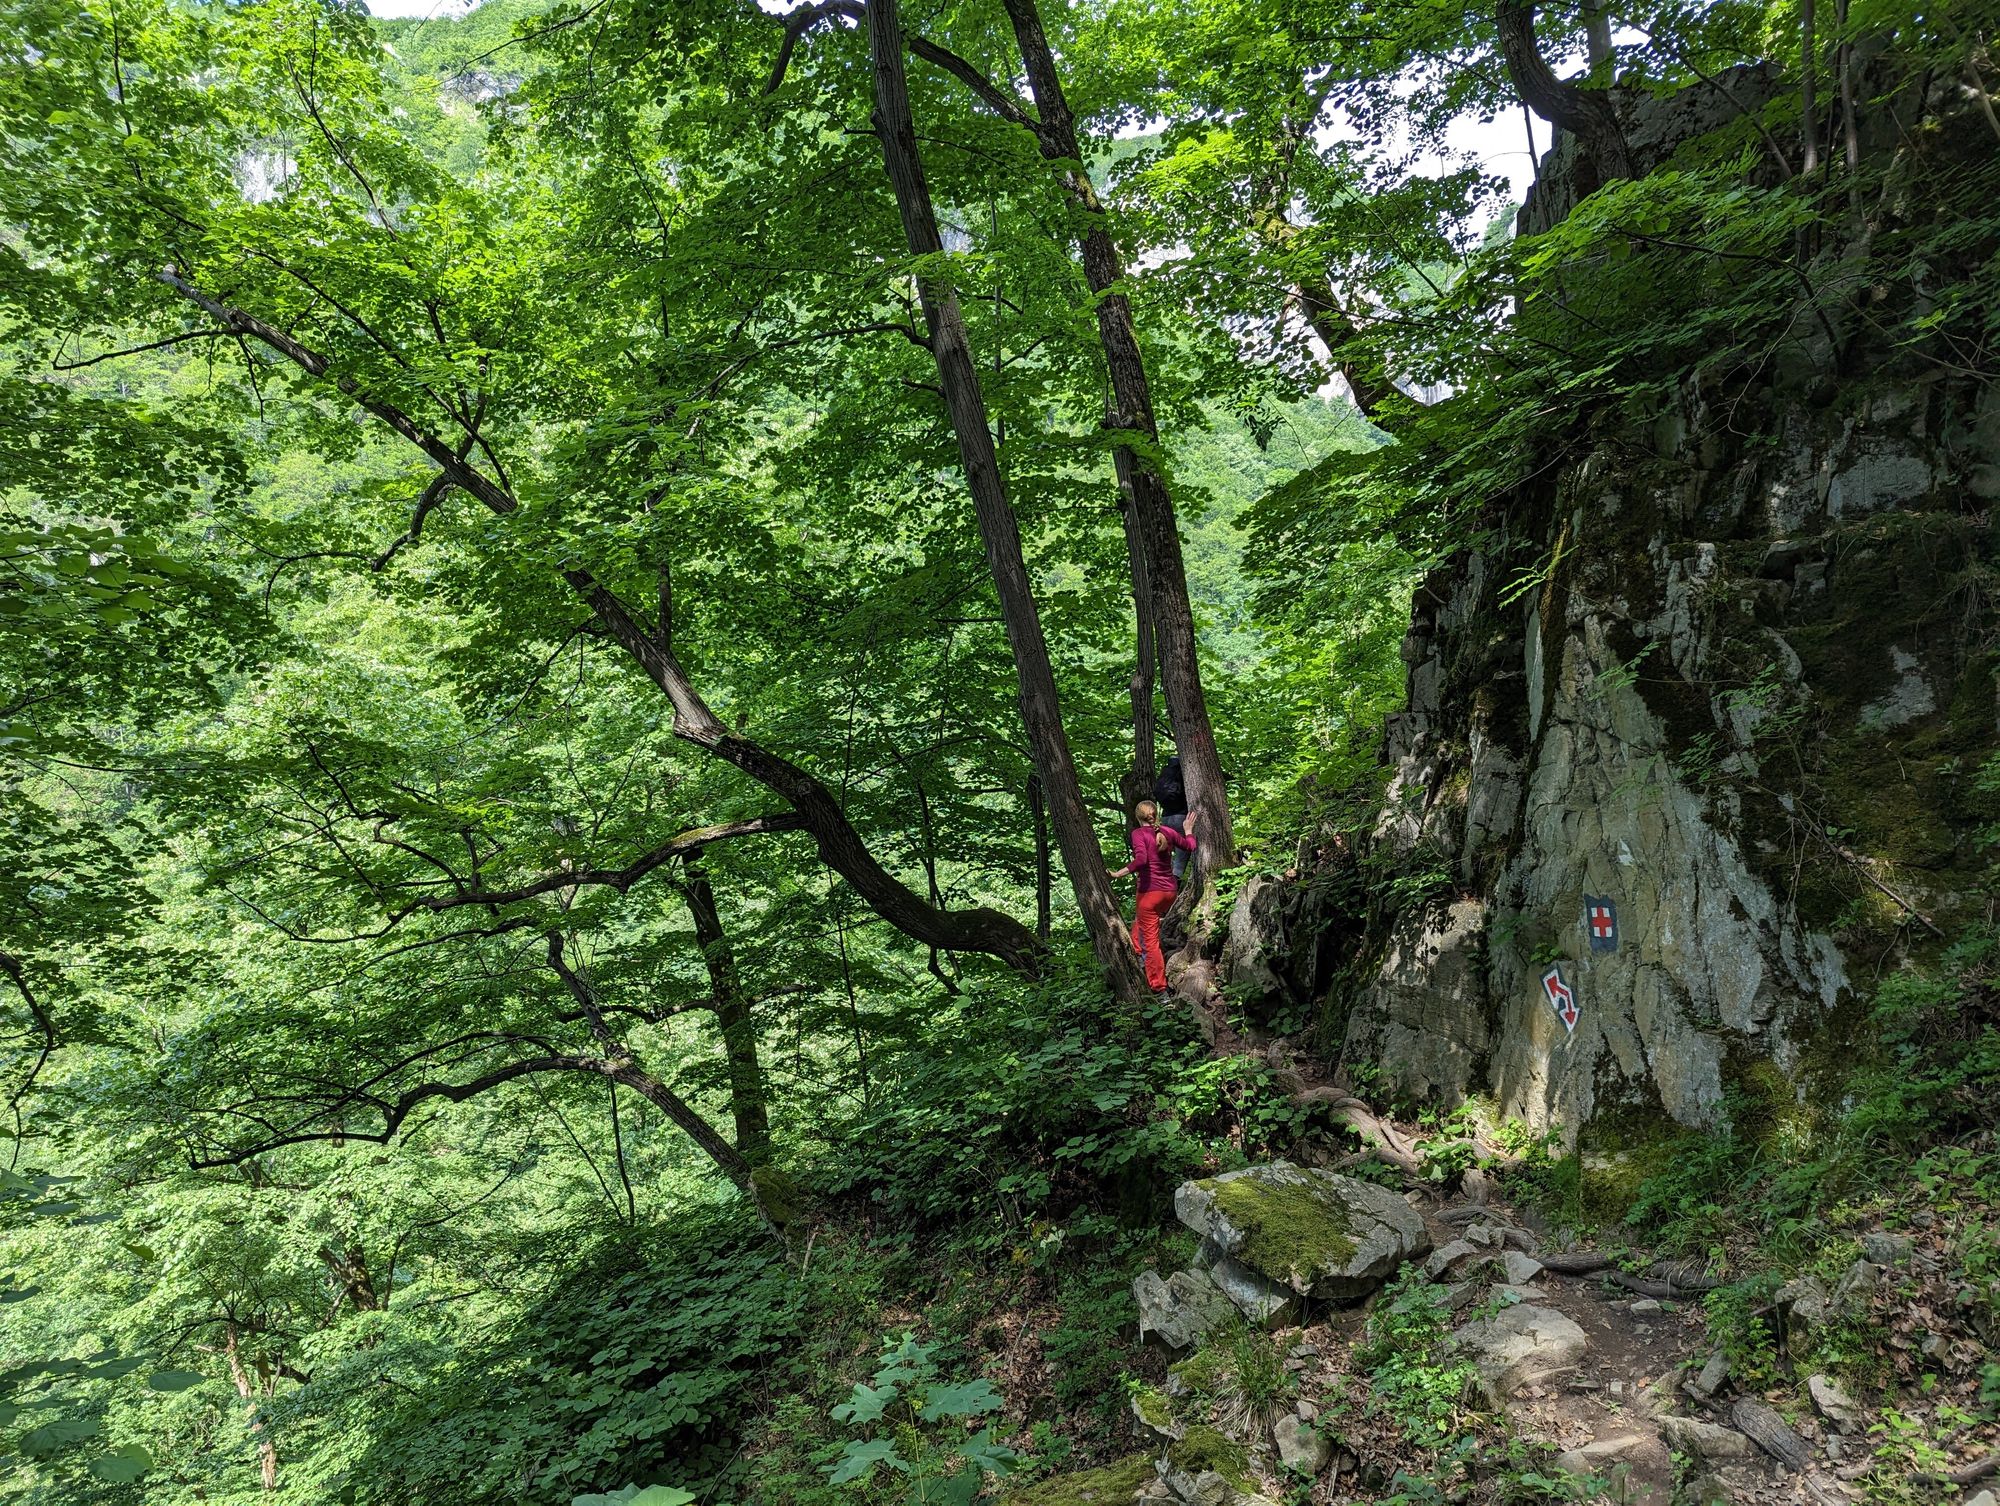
(748, 1102)
(1152, 505)
(619, 1063)
(347, 1268)
(1038, 814)
(267, 1450)
(1808, 102)
(1596, 34)
(1041, 713)
(1585, 113)
(1145, 652)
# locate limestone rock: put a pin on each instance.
(1762, 1424)
(1263, 1302)
(1886, 1249)
(1299, 1447)
(1714, 1374)
(1600, 1453)
(1856, 1287)
(1179, 1308)
(1153, 1415)
(1317, 1232)
(1705, 1442)
(1803, 1301)
(1521, 1346)
(1521, 1269)
(1444, 1257)
(1984, 1498)
(1834, 1404)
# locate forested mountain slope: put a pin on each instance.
(586, 596)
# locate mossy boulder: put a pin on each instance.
(1111, 1485)
(1316, 1232)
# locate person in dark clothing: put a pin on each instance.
(1170, 794)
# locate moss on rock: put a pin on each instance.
(1204, 1448)
(1289, 1226)
(1111, 1485)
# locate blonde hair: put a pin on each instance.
(1148, 811)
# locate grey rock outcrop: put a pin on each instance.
(1706, 1442)
(1315, 1232)
(1692, 703)
(1520, 1346)
(1180, 1308)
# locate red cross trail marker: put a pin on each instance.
(1600, 922)
(1562, 996)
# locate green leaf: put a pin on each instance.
(52, 1437)
(663, 1495)
(968, 1400)
(858, 1460)
(865, 1405)
(172, 1380)
(122, 1466)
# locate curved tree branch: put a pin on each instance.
(820, 812)
(1585, 113)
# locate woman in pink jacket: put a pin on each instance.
(1152, 847)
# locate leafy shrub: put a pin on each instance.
(635, 1363)
(915, 1425)
(1018, 1100)
(1402, 1350)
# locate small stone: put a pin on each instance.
(1834, 1404)
(1933, 1347)
(1460, 1294)
(1521, 1269)
(1714, 1375)
(1857, 1286)
(1705, 1441)
(1444, 1257)
(1262, 1302)
(1616, 1388)
(1485, 1236)
(1645, 1307)
(1299, 1447)
(1761, 1422)
(1598, 1453)
(1506, 1295)
(1520, 1239)
(1307, 1409)
(1179, 1308)
(1707, 1490)
(1984, 1498)
(1886, 1249)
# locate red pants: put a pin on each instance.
(1146, 935)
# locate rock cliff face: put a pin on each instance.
(1744, 699)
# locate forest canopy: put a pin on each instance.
(586, 593)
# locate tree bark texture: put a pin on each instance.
(1145, 652)
(1151, 503)
(239, 1375)
(1038, 815)
(748, 1100)
(1585, 113)
(965, 404)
